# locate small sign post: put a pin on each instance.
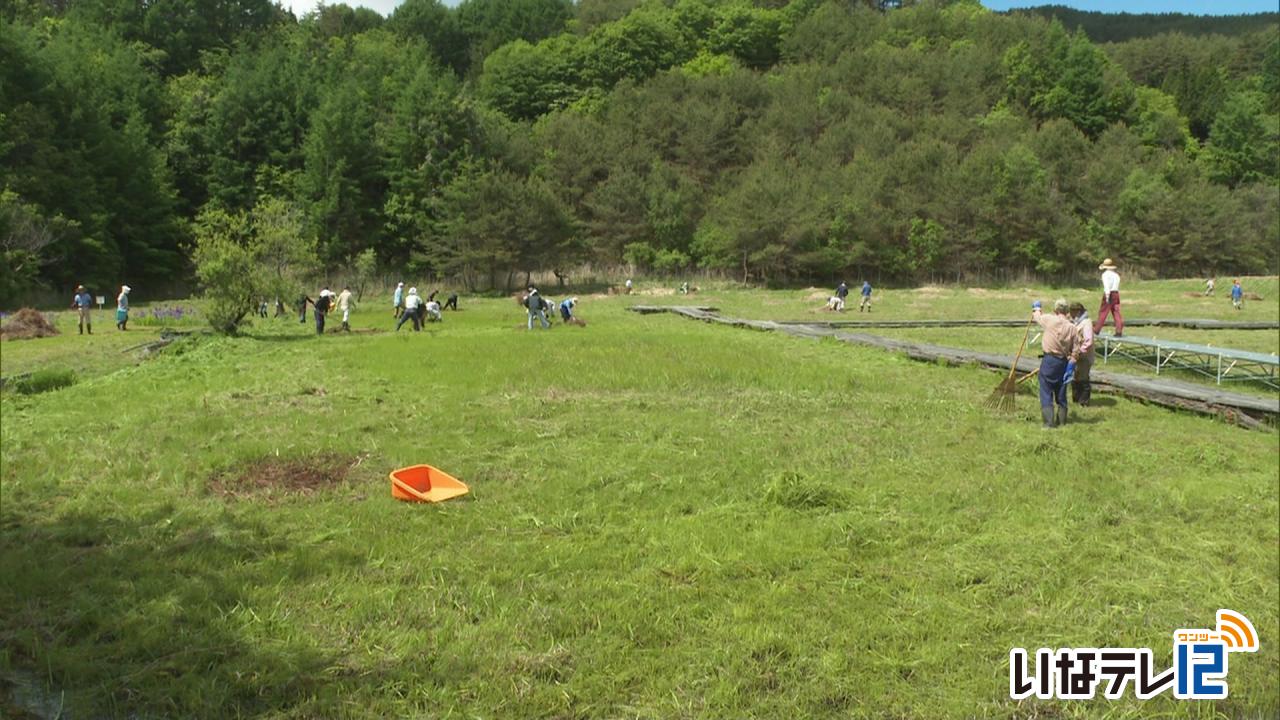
(101, 300)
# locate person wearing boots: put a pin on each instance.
(1080, 387)
(1061, 344)
(345, 303)
(866, 297)
(122, 308)
(83, 304)
(452, 302)
(1110, 298)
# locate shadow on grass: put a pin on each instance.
(126, 615)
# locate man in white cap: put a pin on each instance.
(122, 308)
(411, 303)
(1110, 298)
(533, 302)
(397, 301)
(322, 306)
(1061, 344)
(566, 309)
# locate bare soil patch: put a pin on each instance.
(280, 476)
(26, 324)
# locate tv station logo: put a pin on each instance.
(1199, 670)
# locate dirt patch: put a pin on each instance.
(280, 476)
(26, 324)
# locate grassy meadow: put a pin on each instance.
(668, 519)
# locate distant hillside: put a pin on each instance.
(1118, 27)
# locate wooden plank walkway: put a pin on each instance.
(1247, 410)
(1189, 323)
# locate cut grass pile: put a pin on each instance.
(667, 519)
(25, 325)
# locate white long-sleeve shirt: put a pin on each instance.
(1110, 282)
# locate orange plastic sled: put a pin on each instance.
(424, 483)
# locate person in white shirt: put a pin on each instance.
(1208, 286)
(411, 303)
(345, 303)
(433, 312)
(1110, 298)
(122, 308)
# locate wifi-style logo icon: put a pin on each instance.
(1236, 632)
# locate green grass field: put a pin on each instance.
(667, 519)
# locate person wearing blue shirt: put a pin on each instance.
(397, 301)
(1237, 294)
(83, 303)
(566, 308)
(866, 297)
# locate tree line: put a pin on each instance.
(777, 141)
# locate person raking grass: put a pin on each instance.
(1060, 342)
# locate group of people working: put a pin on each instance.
(1067, 343)
(1237, 292)
(538, 307)
(325, 303)
(411, 306)
(837, 300)
(82, 303)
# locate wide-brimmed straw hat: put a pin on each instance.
(1107, 265)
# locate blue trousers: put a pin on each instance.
(1052, 390)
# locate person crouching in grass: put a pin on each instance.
(1061, 344)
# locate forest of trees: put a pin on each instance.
(776, 141)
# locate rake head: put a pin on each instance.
(1003, 397)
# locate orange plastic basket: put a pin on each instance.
(424, 483)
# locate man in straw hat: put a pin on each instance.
(1061, 344)
(83, 303)
(1110, 298)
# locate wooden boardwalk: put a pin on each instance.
(1189, 323)
(1247, 410)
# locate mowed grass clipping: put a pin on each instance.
(667, 519)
